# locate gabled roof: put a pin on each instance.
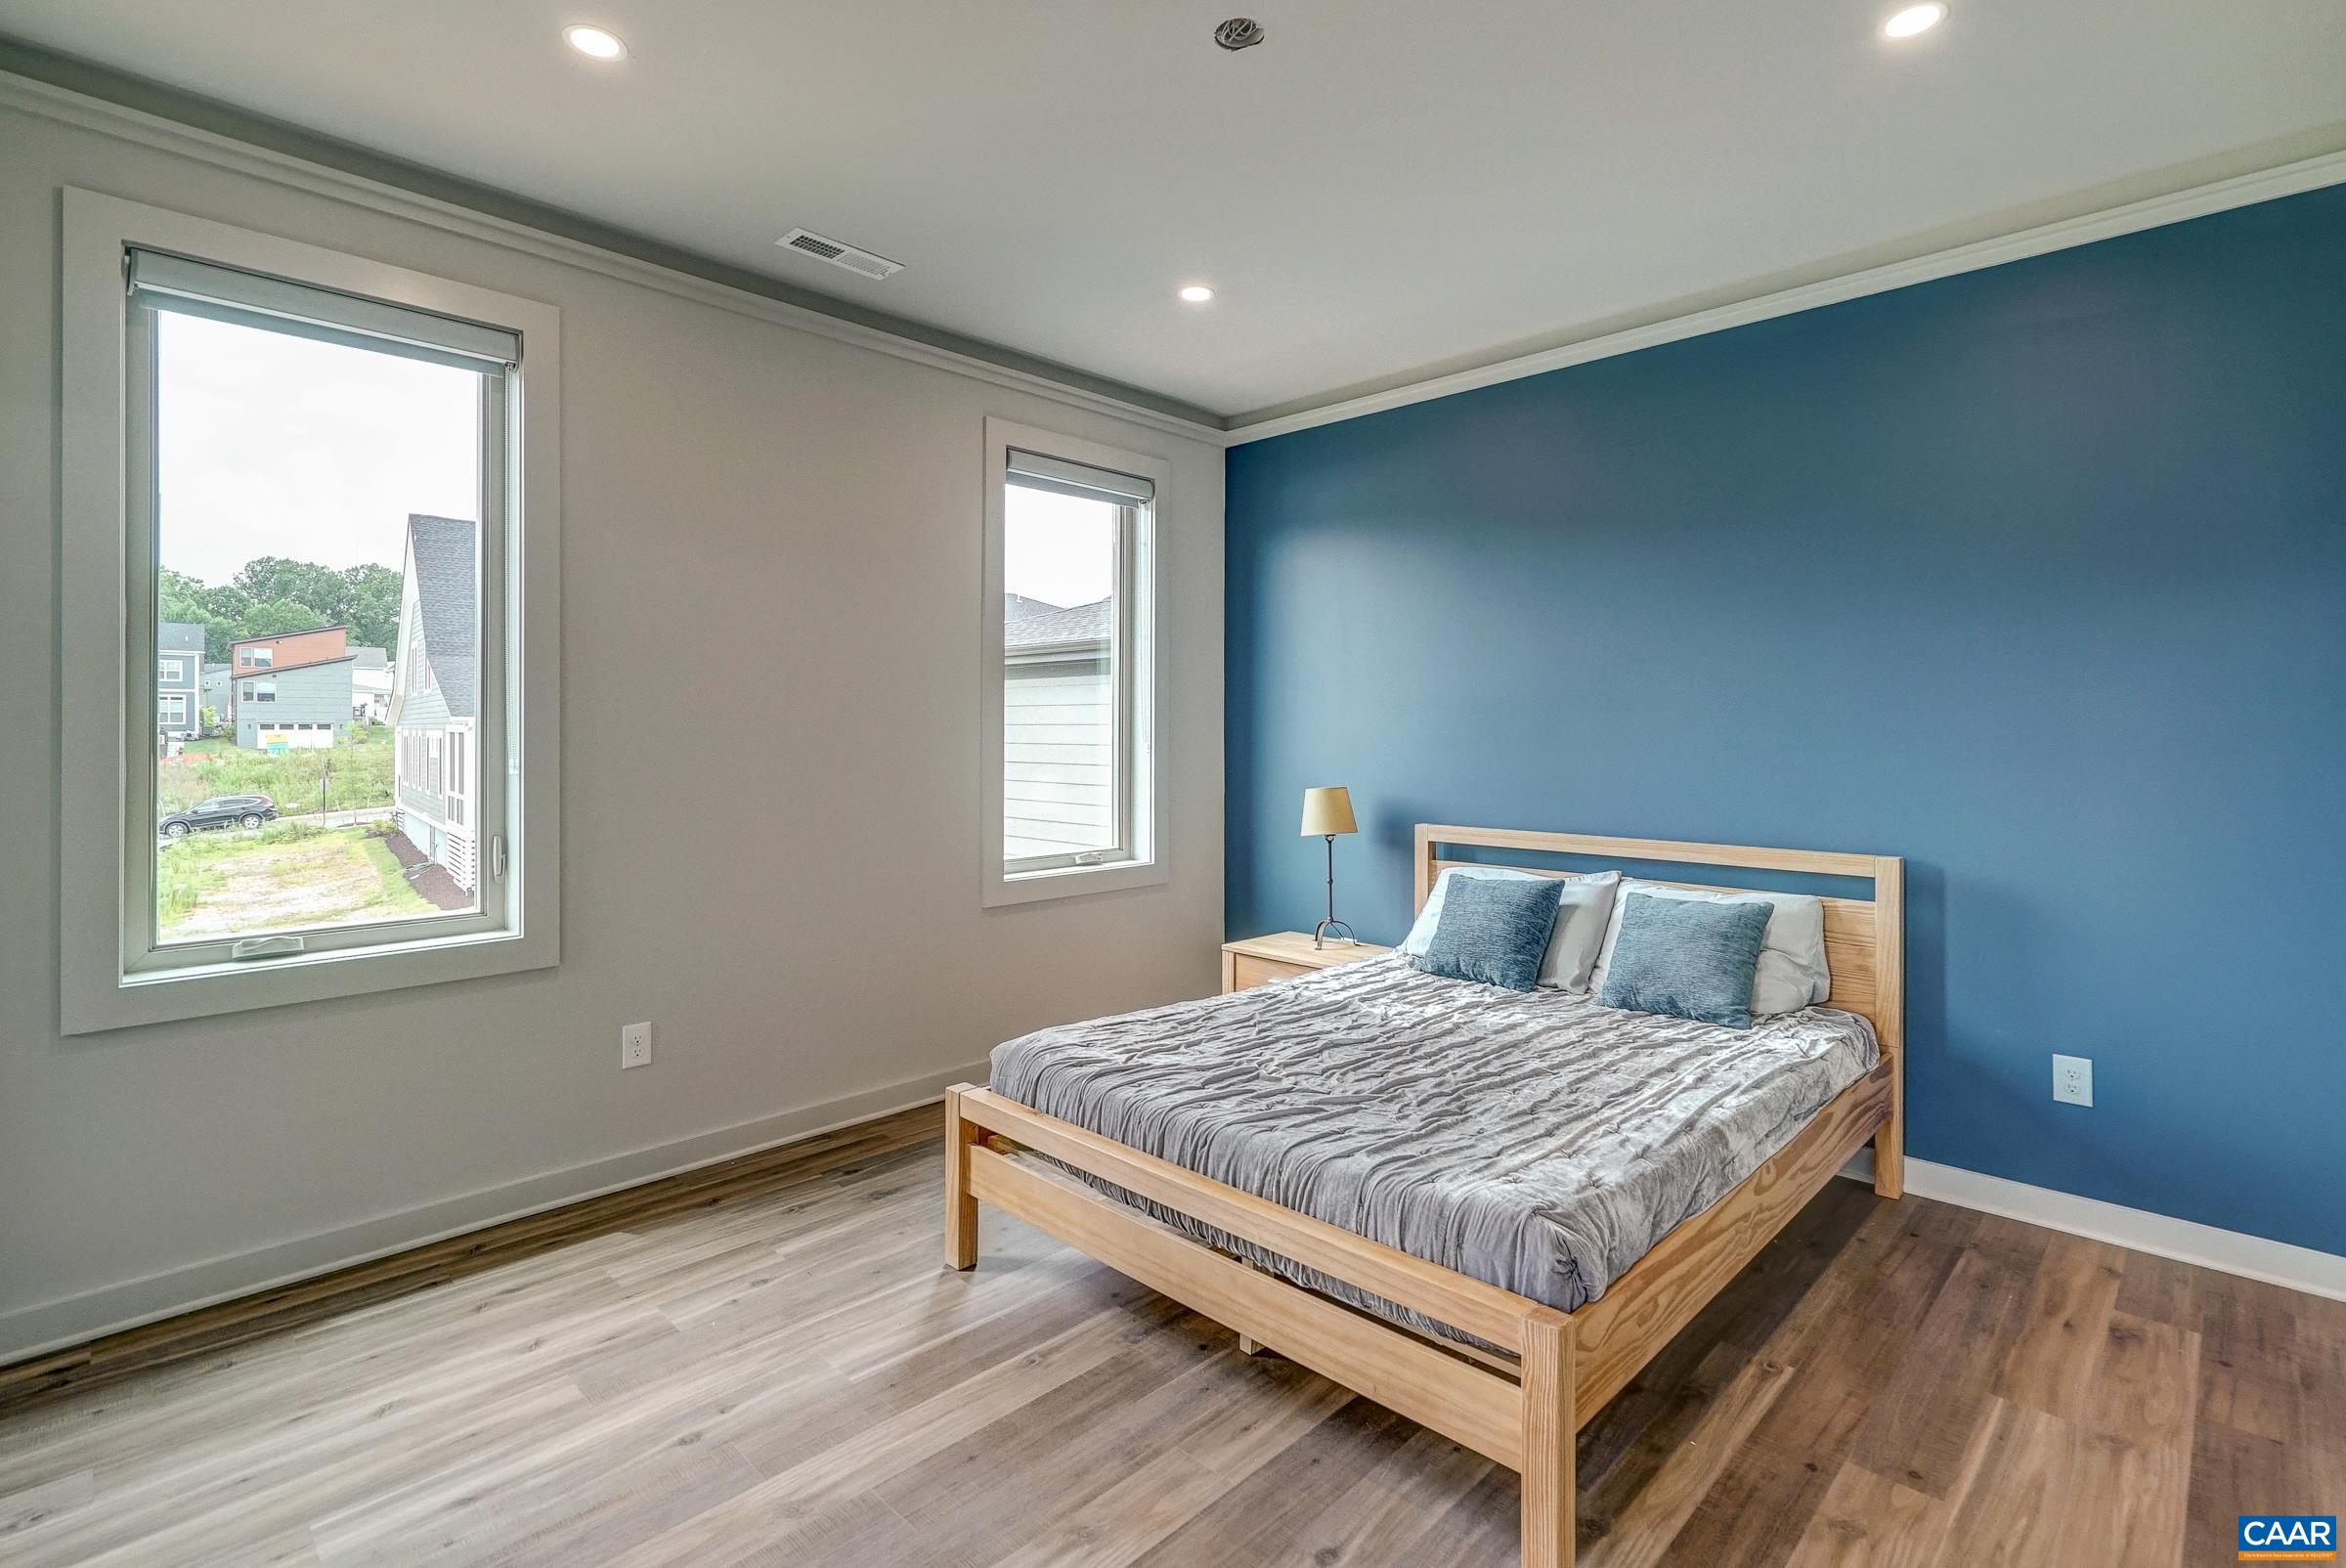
(178, 636)
(442, 552)
(1031, 624)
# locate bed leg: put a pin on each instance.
(1548, 1433)
(1890, 1145)
(960, 1209)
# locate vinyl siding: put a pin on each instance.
(1058, 758)
(317, 694)
(417, 789)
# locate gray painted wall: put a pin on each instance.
(819, 518)
(306, 694)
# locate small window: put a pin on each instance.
(291, 450)
(1069, 697)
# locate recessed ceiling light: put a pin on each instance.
(1915, 18)
(1197, 294)
(593, 42)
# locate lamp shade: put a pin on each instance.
(1328, 810)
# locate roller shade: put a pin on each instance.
(161, 282)
(1038, 472)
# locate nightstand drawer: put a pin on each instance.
(1247, 970)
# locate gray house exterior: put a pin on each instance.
(215, 690)
(435, 695)
(178, 679)
(296, 706)
(1058, 760)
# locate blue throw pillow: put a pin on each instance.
(1492, 930)
(1687, 958)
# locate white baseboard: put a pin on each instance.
(2252, 1258)
(49, 1326)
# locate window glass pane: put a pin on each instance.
(316, 510)
(1063, 794)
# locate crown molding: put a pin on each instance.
(47, 101)
(2198, 201)
(32, 96)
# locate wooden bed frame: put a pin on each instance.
(1521, 1408)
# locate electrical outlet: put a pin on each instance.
(635, 1045)
(2074, 1079)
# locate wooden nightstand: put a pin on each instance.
(1283, 954)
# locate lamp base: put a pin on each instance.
(1324, 932)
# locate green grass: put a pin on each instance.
(399, 897)
(287, 874)
(361, 774)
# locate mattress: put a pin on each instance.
(1538, 1142)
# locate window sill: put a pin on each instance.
(1071, 882)
(97, 1003)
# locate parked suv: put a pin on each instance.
(220, 811)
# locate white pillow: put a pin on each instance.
(1792, 970)
(1583, 912)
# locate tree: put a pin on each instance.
(370, 605)
(279, 616)
(273, 595)
(219, 611)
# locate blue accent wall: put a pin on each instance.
(2035, 576)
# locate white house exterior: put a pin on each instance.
(435, 697)
(1058, 728)
(370, 684)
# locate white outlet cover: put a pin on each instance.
(635, 1045)
(2074, 1079)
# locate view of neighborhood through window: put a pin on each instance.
(1063, 795)
(317, 507)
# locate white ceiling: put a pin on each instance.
(1385, 188)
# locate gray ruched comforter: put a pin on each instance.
(1540, 1142)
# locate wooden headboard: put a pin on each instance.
(1865, 944)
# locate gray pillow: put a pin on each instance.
(1688, 959)
(1492, 930)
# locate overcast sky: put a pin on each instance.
(271, 445)
(1059, 548)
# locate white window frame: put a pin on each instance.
(173, 699)
(176, 672)
(111, 975)
(1141, 831)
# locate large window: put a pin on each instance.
(1069, 701)
(328, 455)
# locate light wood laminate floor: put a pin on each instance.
(787, 1376)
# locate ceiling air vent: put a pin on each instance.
(862, 262)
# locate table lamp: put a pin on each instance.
(1328, 813)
